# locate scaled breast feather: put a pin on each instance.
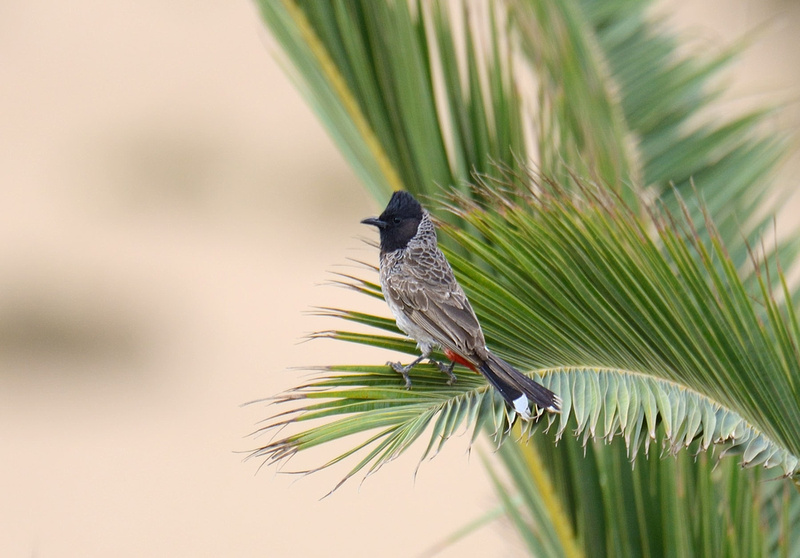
(434, 301)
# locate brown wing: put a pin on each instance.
(434, 301)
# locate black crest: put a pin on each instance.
(399, 221)
(402, 205)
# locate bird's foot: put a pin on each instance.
(447, 369)
(403, 371)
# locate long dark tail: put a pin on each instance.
(517, 389)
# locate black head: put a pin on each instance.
(399, 221)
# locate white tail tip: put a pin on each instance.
(521, 406)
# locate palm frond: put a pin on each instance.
(420, 95)
(581, 125)
(547, 532)
(685, 150)
(412, 96)
(589, 283)
(632, 332)
(687, 505)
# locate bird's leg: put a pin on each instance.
(447, 369)
(404, 370)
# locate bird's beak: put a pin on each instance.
(375, 222)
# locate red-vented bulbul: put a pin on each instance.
(430, 306)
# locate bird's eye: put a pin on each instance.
(396, 220)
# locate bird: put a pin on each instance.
(431, 308)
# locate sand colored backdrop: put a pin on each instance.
(169, 208)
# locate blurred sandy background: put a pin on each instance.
(169, 207)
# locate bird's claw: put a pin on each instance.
(448, 369)
(402, 370)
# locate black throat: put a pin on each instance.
(397, 237)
